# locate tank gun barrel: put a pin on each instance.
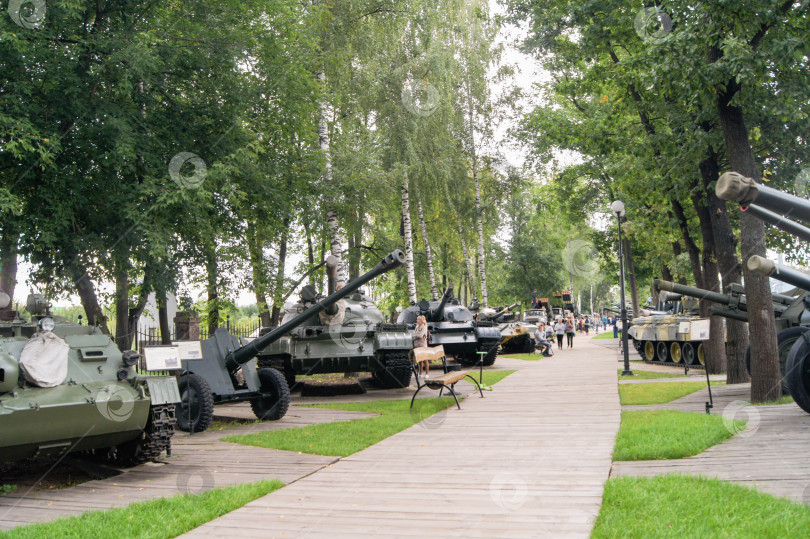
(783, 223)
(437, 313)
(768, 268)
(245, 353)
(692, 292)
(717, 310)
(736, 187)
(499, 312)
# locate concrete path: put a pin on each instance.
(528, 460)
(198, 463)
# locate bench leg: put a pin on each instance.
(416, 393)
(450, 389)
(476, 384)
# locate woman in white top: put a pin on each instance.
(559, 329)
(421, 335)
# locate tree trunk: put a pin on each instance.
(87, 295)
(431, 273)
(691, 247)
(8, 266)
(631, 274)
(278, 289)
(725, 244)
(408, 234)
(310, 252)
(766, 377)
(465, 254)
(212, 289)
(715, 346)
(259, 272)
(163, 317)
(482, 270)
(122, 303)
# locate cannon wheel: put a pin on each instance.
(196, 393)
(662, 351)
(396, 371)
(785, 340)
(649, 351)
(701, 354)
(676, 352)
(688, 352)
(798, 374)
(275, 401)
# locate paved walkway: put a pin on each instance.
(528, 460)
(198, 463)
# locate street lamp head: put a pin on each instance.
(617, 208)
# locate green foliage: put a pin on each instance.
(669, 434)
(657, 392)
(686, 506)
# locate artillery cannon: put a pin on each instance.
(67, 388)
(214, 380)
(452, 326)
(496, 314)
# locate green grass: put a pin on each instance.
(680, 506)
(231, 423)
(525, 357)
(607, 335)
(346, 438)
(669, 434)
(658, 392)
(5, 489)
(164, 517)
(648, 375)
(785, 399)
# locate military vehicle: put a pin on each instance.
(517, 336)
(338, 333)
(762, 201)
(67, 388)
(791, 314)
(351, 335)
(535, 316)
(672, 336)
(452, 325)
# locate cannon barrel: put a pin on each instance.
(766, 267)
(691, 291)
(499, 312)
(247, 352)
(738, 188)
(331, 280)
(717, 310)
(438, 313)
(783, 223)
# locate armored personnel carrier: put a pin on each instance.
(66, 388)
(350, 335)
(536, 316)
(451, 325)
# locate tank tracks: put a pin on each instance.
(397, 371)
(695, 366)
(155, 438)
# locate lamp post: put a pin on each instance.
(618, 210)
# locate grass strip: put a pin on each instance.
(669, 434)
(524, 357)
(658, 393)
(153, 519)
(784, 399)
(607, 335)
(348, 437)
(648, 375)
(679, 506)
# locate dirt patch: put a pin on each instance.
(34, 475)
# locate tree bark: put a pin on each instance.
(725, 244)
(465, 254)
(8, 266)
(766, 377)
(87, 295)
(482, 270)
(431, 273)
(408, 235)
(163, 317)
(122, 303)
(212, 286)
(631, 274)
(691, 246)
(278, 289)
(259, 272)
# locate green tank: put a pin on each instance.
(348, 336)
(67, 388)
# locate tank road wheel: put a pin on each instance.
(688, 353)
(785, 340)
(151, 442)
(649, 350)
(528, 346)
(676, 352)
(396, 371)
(196, 408)
(662, 351)
(701, 354)
(797, 374)
(275, 401)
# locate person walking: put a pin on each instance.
(421, 337)
(559, 329)
(570, 332)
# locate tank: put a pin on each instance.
(453, 326)
(517, 336)
(67, 388)
(672, 334)
(351, 335)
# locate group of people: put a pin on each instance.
(566, 328)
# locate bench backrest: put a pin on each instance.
(420, 354)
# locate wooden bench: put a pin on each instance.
(448, 380)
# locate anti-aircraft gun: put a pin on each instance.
(517, 336)
(310, 339)
(792, 317)
(67, 388)
(771, 205)
(451, 325)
